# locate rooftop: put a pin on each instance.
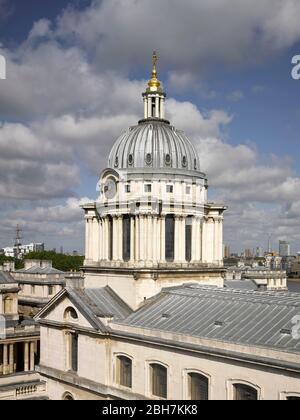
(244, 317)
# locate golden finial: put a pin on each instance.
(154, 84)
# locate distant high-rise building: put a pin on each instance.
(284, 249)
(248, 253)
(226, 251)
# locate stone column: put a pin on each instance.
(162, 108)
(26, 357)
(105, 238)
(216, 240)
(137, 238)
(210, 239)
(179, 245)
(100, 240)
(194, 240)
(157, 107)
(149, 238)
(155, 242)
(149, 107)
(115, 239)
(32, 355)
(221, 240)
(86, 239)
(204, 240)
(162, 239)
(132, 238)
(95, 247)
(145, 108)
(5, 357)
(142, 238)
(120, 243)
(11, 359)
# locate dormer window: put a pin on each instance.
(184, 161)
(127, 188)
(116, 162)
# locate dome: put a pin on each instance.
(154, 144)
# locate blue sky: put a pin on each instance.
(75, 75)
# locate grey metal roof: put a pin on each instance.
(150, 144)
(238, 316)
(103, 302)
(6, 277)
(39, 270)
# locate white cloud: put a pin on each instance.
(74, 98)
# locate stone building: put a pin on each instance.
(19, 346)
(152, 225)
(150, 318)
(38, 282)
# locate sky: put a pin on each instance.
(75, 74)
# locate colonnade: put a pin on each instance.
(9, 356)
(104, 238)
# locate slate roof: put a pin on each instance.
(102, 302)
(237, 316)
(38, 270)
(6, 277)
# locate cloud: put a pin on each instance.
(70, 93)
(190, 36)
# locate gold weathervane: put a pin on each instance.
(154, 82)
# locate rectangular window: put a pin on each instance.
(148, 188)
(159, 380)
(169, 188)
(188, 190)
(74, 352)
(198, 385)
(169, 237)
(127, 188)
(126, 238)
(124, 366)
(32, 289)
(188, 239)
(50, 290)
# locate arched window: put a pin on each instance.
(293, 398)
(72, 351)
(8, 305)
(197, 386)
(158, 380)
(169, 237)
(242, 392)
(124, 371)
(126, 238)
(67, 396)
(70, 314)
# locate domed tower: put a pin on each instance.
(152, 226)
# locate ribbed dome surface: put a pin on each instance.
(154, 144)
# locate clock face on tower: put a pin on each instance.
(110, 188)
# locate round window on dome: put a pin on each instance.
(130, 159)
(148, 158)
(116, 162)
(168, 159)
(184, 161)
